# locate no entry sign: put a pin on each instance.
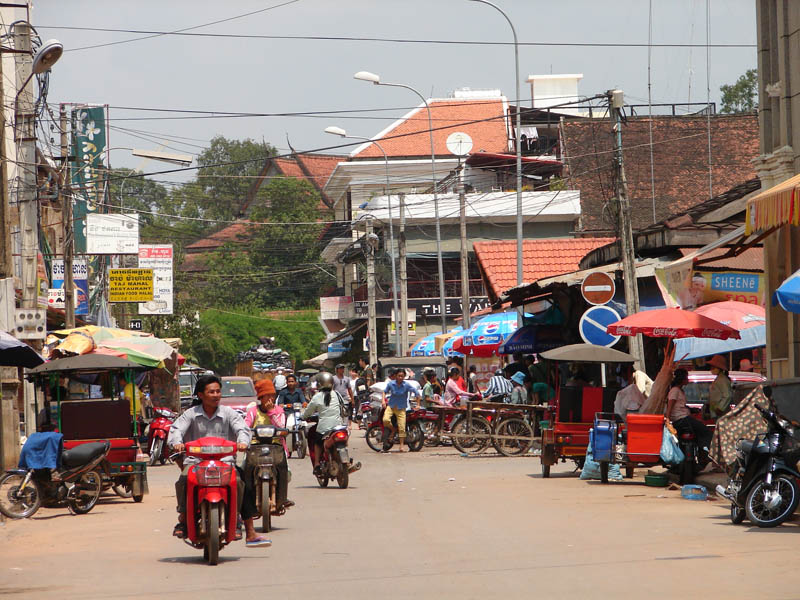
(597, 288)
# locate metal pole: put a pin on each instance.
(516, 139)
(625, 230)
(403, 272)
(25, 137)
(371, 320)
(442, 306)
(462, 221)
(69, 284)
(6, 257)
(397, 338)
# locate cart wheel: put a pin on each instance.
(545, 471)
(604, 472)
(121, 491)
(138, 497)
(629, 471)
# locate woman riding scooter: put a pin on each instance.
(332, 411)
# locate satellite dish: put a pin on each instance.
(459, 143)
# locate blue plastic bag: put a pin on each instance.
(591, 468)
(671, 453)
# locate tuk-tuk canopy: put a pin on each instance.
(86, 362)
(587, 353)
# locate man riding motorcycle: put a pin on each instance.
(332, 411)
(210, 419)
(267, 413)
(291, 393)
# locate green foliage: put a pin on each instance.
(226, 334)
(741, 96)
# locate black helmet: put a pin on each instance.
(454, 371)
(499, 373)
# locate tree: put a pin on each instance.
(227, 168)
(741, 96)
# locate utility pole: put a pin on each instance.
(401, 250)
(6, 258)
(372, 329)
(66, 211)
(25, 137)
(462, 221)
(616, 101)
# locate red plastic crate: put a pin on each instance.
(645, 433)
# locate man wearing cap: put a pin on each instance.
(719, 395)
(341, 385)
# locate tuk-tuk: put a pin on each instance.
(89, 406)
(583, 387)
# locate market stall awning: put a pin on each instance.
(779, 205)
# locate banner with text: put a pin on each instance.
(88, 172)
(159, 258)
(130, 285)
(80, 280)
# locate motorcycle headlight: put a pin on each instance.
(297, 406)
(215, 474)
(265, 431)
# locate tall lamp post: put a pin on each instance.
(342, 133)
(372, 77)
(516, 139)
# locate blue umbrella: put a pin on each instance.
(447, 349)
(491, 329)
(688, 348)
(426, 346)
(534, 338)
(788, 294)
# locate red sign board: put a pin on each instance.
(597, 288)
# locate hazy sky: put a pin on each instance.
(272, 76)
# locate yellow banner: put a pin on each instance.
(130, 285)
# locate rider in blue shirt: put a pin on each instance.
(395, 400)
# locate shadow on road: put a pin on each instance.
(196, 560)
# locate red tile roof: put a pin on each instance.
(541, 258)
(751, 259)
(289, 167)
(680, 160)
(319, 167)
(234, 233)
(483, 120)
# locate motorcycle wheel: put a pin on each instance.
(85, 493)
(15, 505)
(302, 447)
(155, 451)
(343, 478)
(737, 514)
(470, 445)
(323, 480)
(430, 429)
(762, 515)
(212, 545)
(415, 437)
(374, 438)
(266, 516)
(122, 491)
(514, 427)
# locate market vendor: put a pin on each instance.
(680, 415)
(630, 398)
(719, 395)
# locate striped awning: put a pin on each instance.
(779, 205)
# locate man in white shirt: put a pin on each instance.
(280, 381)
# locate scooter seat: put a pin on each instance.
(687, 437)
(83, 454)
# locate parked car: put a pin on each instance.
(742, 382)
(238, 392)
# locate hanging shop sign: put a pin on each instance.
(159, 258)
(130, 285)
(112, 234)
(80, 281)
(88, 171)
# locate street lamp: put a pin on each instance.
(516, 140)
(373, 78)
(342, 133)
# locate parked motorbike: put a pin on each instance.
(76, 482)
(297, 440)
(211, 503)
(263, 456)
(415, 435)
(158, 433)
(335, 463)
(763, 485)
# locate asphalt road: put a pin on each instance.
(427, 525)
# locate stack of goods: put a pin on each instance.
(265, 356)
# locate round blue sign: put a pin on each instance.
(593, 323)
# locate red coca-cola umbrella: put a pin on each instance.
(672, 323)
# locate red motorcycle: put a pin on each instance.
(415, 435)
(158, 433)
(335, 463)
(211, 507)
